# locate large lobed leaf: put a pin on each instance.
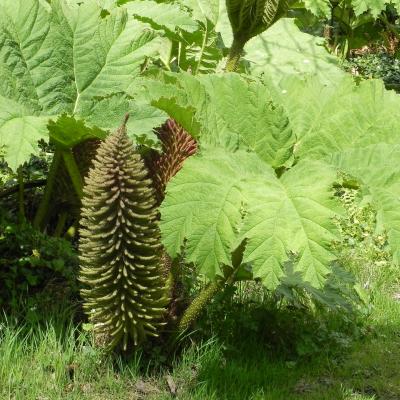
(328, 119)
(166, 15)
(61, 58)
(317, 118)
(220, 199)
(203, 208)
(291, 215)
(191, 42)
(284, 50)
(208, 107)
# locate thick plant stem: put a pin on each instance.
(51, 179)
(62, 219)
(73, 171)
(234, 55)
(21, 205)
(198, 304)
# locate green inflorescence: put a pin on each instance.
(120, 246)
(199, 303)
(177, 146)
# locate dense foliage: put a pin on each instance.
(31, 260)
(380, 65)
(242, 128)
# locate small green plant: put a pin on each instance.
(364, 248)
(351, 25)
(29, 261)
(376, 65)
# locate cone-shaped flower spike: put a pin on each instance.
(120, 246)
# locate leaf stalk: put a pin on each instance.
(73, 170)
(21, 202)
(43, 209)
(235, 54)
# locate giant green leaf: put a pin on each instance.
(168, 15)
(203, 10)
(68, 131)
(203, 208)
(107, 112)
(374, 6)
(59, 58)
(293, 214)
(220, 199)
(318, 7)
(212, 102)
(284, 50)
(329, 119)
(20, 130)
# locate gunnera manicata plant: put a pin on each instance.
(120, 247)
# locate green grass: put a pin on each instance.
(57, 361)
